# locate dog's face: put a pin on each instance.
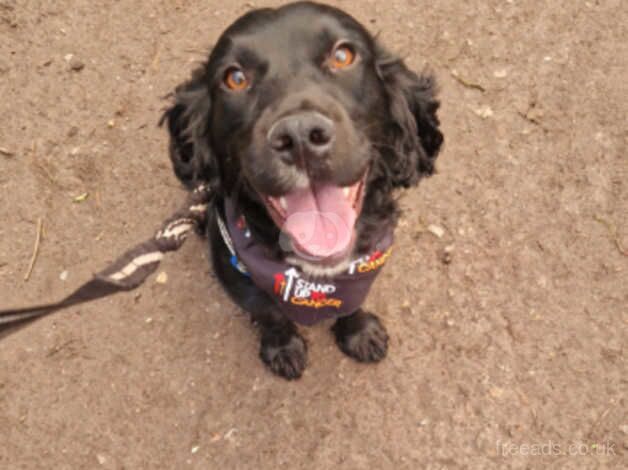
(299, 110)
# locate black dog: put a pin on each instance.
(303, 126)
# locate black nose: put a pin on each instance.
(299, 137)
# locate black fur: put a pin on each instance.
(361, 336)
(214, 138)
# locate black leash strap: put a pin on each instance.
(131, 269)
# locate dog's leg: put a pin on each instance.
(282, 348)
(361, 336)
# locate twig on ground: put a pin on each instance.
(31, 265)
(59, 348)
(613, 232)
(154, 64)
(192, 50)
(466, 83)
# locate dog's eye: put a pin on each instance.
(235, 79)
(342, 57)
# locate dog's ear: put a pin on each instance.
(415, 127)
(188, 121)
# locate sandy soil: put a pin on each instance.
(517, 347)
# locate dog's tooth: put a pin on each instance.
(283, 203)
(346, 191)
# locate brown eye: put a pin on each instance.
(235, 79)
(342, 57)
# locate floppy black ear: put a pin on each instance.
(188, 123)
(413, 108)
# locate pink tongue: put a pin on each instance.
(320, 220)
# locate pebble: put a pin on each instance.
(162, 278)
(6, 152)
(64, 275)
(76, 64)
(484, 112)
(436, 230)
(447, 254)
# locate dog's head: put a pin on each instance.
(301, 117)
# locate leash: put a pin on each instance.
(131, 269)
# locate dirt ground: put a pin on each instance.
(512, 355)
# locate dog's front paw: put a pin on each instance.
(362, 337)
(285, 352)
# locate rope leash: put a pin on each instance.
(131, 269)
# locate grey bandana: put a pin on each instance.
(303, 299)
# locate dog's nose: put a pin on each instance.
(299, 137)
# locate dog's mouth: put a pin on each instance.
(319, 219)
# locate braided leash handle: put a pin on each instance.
(131, 269)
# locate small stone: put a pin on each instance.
(446, 256)
(501, 73)
(76, 64)
(6, 152)
(436, 230)
(534, 114)
(484, 111)
(111, 123)
(195, 449)
(80, 198)
(624, 428)
(64, 275)
(162, 278)
(101, 459)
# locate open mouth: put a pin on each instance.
(319, 219)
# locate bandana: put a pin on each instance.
(304, 299)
